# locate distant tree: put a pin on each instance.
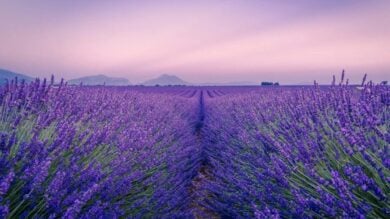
(276, 84)
(266, 83)
(384, 83)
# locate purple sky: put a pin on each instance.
(290, 41)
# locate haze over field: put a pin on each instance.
(200, 41)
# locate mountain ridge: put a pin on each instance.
(99, 79)
(10, 75)
(164, 80)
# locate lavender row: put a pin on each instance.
(94, 152)
(301, 152)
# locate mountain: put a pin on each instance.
(164, 80)
(6, 74)
(100, 80)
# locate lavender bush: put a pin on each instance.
(94, 151)
(301, 152)
(184, 152)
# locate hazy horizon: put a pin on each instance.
(200, 42)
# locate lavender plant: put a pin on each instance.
(93, 151)
(301, 152)
(184, 152)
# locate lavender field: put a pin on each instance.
(194, 152)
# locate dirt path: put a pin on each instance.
(199, 195)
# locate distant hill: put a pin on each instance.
(6, 74)
(100, 80)
(164, 80)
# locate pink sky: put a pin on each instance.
(200, 41)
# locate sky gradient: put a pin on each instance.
(291, 41)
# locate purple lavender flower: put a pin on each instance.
(4, 211)
(76, 207)
(6, 182)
